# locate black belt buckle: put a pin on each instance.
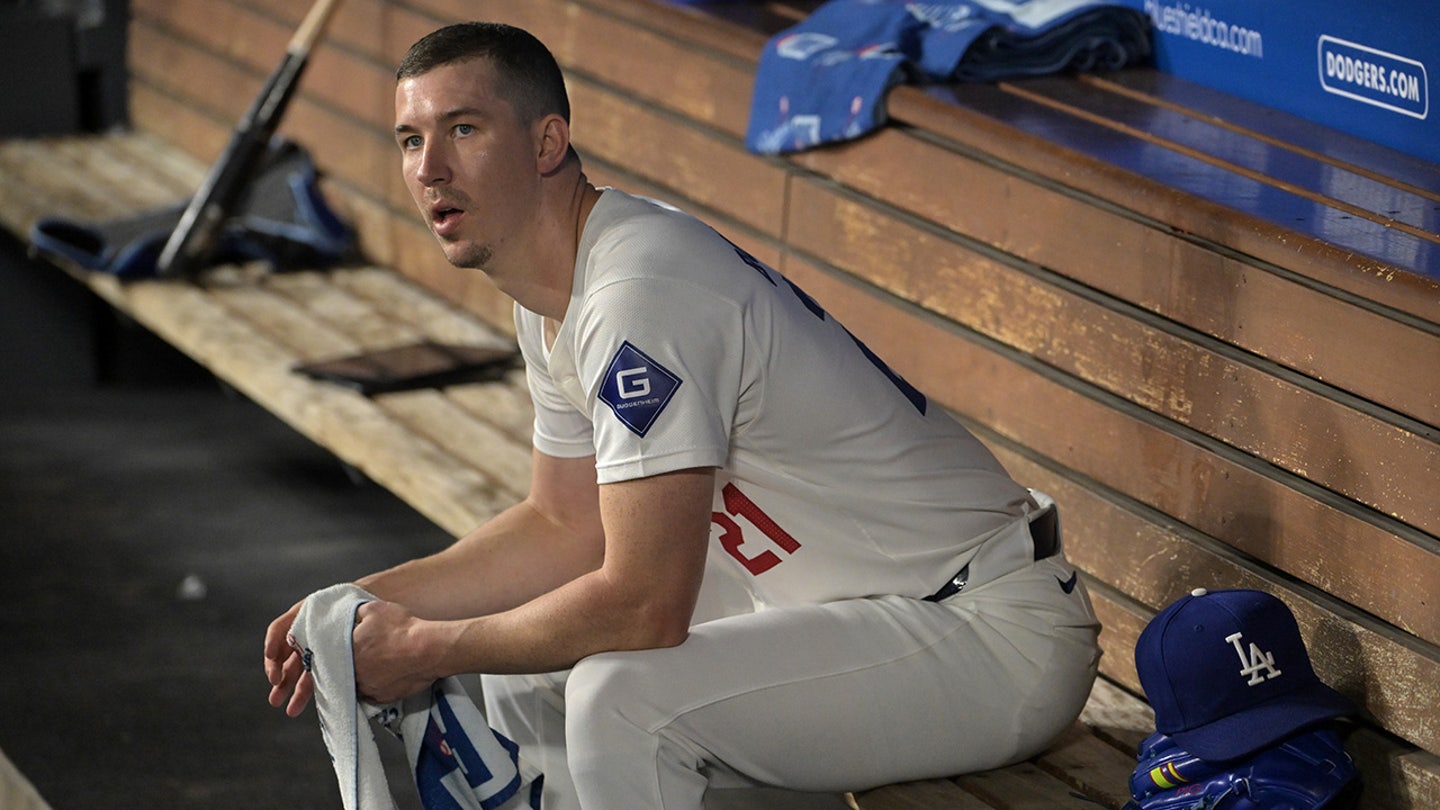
(1044, 533)
(954, 586)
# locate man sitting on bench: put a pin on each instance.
(752, 554)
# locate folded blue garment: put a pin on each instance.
(825, 79)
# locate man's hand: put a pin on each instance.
(284, 666)
(394, 652)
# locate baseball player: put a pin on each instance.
(752, 554)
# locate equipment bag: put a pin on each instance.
(283, 221)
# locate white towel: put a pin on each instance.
(458, 761)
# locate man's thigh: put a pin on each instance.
(847, 694)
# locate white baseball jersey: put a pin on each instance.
(836, 478)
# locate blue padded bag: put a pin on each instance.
(283, 221)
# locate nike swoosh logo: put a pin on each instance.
(1068, 586)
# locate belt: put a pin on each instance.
(1044, 533)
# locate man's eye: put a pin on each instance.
(464, 129)
(410, 142)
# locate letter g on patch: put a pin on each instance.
(637, 388)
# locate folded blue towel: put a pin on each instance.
(459, 762)
(825, 79)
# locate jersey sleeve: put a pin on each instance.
(662, 362)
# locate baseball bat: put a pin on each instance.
(193, 241)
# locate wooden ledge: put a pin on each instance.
(457, 455)
(1307, 200)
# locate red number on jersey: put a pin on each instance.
(738, 504)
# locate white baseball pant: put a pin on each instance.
(833, 697)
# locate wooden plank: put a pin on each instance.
(1150, 266)
(187, 129)
(317, 298)
(1089, 766)
(321, 300)
(305, 318)
(1236, 152)
(1395, 776)
(710, 168)
(437, 319)
(1154, 562)
(737, 29)
(42, 189)
(507, 406)
(1117, 717)
(973, 116)
(436, 416)
(355, 84)
(930, 794)
(1026, 787)
(288, 324)
(700, 84)
(1310, 430)
(360, 29)
(1121, 622)
(362, 155)
(112, 162)
(191, 75)
(437, 484)
(1276, 128)
(1255, 509)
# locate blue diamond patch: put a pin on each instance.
(637, 388)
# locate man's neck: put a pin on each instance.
(545, 286)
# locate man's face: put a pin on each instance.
(467, 159)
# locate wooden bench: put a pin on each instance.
(458, 455)
(1210, 331)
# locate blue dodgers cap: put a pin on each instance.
(1227, 674)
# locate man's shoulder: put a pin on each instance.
(637, 239)
(629, 223)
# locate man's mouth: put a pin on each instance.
(444, 219)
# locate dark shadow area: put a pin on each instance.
(153, 526)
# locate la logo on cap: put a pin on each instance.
(1259, 661)
(1186, 658)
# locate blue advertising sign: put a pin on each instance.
(1365, 70)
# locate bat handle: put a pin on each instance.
(312, 27)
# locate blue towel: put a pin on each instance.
(825, 80)
(458, 761)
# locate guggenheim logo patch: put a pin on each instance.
(637, 388)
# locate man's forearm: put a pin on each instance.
(642, 597)
(513, 558)
(554, 595)
(552, 632)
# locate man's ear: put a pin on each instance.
(553, 143)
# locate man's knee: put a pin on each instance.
(609, 689)
(621, 727)
(619, 702)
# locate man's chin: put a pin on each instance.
(465, 255)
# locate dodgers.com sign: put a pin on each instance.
(1372, 76)
(1354, 67)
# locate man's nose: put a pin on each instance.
(433, 168)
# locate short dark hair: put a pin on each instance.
(529, 75)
